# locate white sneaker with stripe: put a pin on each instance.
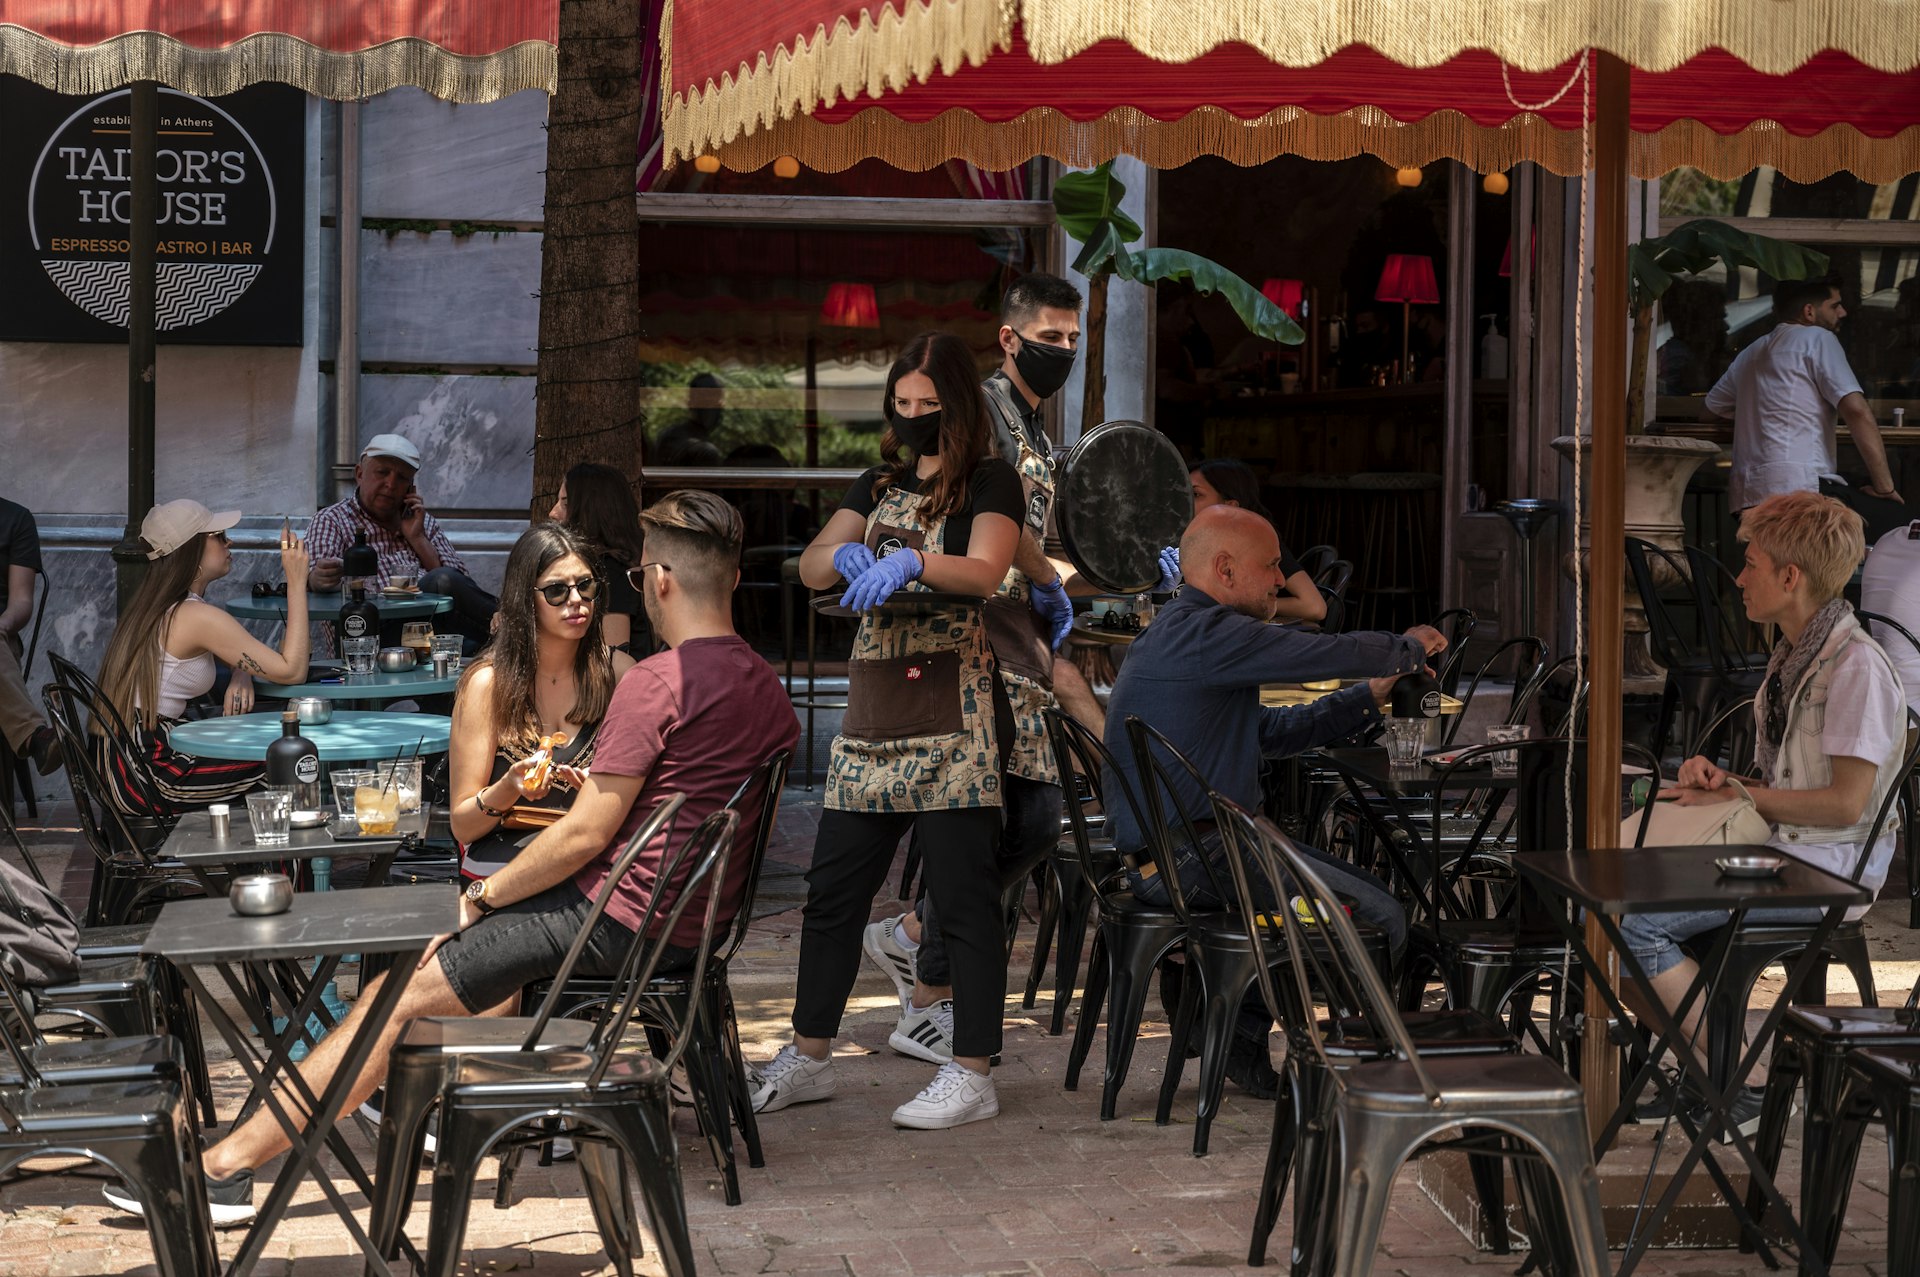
(925, 1033)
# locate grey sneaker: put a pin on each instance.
(925, 1033)
(883, 948)
(957, 1095)
(791, 1078)
(229, 1201)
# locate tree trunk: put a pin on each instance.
(587, 399)
(1093, 406)
(1637, 373)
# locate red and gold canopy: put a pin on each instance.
(460, 50)
(1807, 86)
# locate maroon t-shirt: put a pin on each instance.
(694, 720)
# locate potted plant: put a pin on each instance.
(1087, 205)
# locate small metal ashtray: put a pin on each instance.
(397, 660)
(1749, 866)
(261, 895)
(312, 710)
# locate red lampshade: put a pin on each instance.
(1506, 258)
(1408, 277)
(850, 306)
(1287, 294)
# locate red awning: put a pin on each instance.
(460, 50)
(992, 100)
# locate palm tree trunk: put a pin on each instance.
(587, 401)
(1093, 406)
(1637, 371)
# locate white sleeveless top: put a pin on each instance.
(182, 680)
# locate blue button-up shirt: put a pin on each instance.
(1194, 675)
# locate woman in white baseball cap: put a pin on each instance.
(163, 652)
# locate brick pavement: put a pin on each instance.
(1044, 1189)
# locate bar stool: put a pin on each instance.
(1393, 548)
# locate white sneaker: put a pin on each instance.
(925, 1033)
(883, 948)
(791, 1078)
(431, 1145)
(957, 1095)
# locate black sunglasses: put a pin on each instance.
(555, 592)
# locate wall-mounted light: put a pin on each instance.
(786, 166)
(1409, 176)
(1494, 183)
(706, 164)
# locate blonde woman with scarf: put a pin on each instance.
(1831, 726)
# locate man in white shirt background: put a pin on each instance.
(1783, 393)
(1890, 587)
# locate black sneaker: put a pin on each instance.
(1251, 1068)
(1658, 1105)
(1744, 1113)
(43, 747)
(229, 1201)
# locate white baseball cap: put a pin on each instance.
(399, 447)
(168, 527)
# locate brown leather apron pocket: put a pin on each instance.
(1018, 647)
(884, 538)
(904, 696)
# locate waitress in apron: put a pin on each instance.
(920, 748)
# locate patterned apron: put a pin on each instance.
(919, 731)
(1017, 635)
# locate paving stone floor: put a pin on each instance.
(1046, 1188)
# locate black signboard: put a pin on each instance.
(231, 265)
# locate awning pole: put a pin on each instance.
(142, 237)
(1606, 560)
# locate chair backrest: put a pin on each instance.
(1256, 876)
(764, 785)
(661, 817)
(1160, 764)
(705, 852)
(118, 742)
(1346, 965)
(1724, 628)
(106, 828)
(1076, 748)
(1523, 697)
(1875, 620)
(45, 584)
(1733, 727)
(1529, 657)
(1908, 762)
(1314, 559)
(1458, 624)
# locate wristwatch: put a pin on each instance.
(477, 896)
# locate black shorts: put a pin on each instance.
(520, 943)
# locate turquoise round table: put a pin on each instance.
(378, 686)
(354, 736)
(326, 607)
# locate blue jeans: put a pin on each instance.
(1655, 938)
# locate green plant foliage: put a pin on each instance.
(1695, 246)
(1085, 202)
(1262, 317)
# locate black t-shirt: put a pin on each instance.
(19, 542)
(995, 489)
(1288, 564)
(621, 596)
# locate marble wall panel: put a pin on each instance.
(473, 434)
(424, 158)
(436, 299)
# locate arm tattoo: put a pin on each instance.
(247, 663)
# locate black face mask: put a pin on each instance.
(1044, 368)
(921, 433)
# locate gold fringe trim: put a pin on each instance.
(877, 134)
(273, 56)
(1773, 36)
(895, 49)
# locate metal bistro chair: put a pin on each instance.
(716, 1067)
(1066, 899)
(614, 1104)
(1882, 1081)
(15, 771)
(1385, 1111)
(1300, 1113)
(1333, 581)
(1132, 937)
(1910, 795)
(425, 1057)
(139, 1129)
(1223, 948)
(1703, 674)
(1458, 624)
(1314, 559)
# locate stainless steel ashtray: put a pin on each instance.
(1750, 866)
(261, 895)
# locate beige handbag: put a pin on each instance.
(1731, 824)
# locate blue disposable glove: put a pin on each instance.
(1169, 571)
(879, 582)
(1053, 605)
(851, 560)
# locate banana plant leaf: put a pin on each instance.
(1087, 206)
(1695, 246)
(1262, 317)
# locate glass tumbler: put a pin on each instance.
(270, 813)
(1507, 761)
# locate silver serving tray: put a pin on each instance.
(1750, 866)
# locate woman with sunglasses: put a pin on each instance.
(547, 672)
(166, 649)
(919, 749)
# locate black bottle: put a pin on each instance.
(1416, 696)
(360, 560)
(359, 618)
(293, 760)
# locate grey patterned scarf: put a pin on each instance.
(1785, 669)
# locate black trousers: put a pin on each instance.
(959, 858)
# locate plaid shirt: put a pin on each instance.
(331, 534)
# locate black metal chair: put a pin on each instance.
(1881, 1081)
(1332, 582)
(1222, 947)
(1910, 795)
(1688, 636)
(1132, 936)
(1066, 901)
(139, 1129)
(422, 1062)
(1314, 559)
(1458, 624)
(716, 1068)
(1363, 1118)
(1527, 657)
(14, 771)
(614, 1105)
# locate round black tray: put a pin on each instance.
(900, 603)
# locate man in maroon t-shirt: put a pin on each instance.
(696, 719)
